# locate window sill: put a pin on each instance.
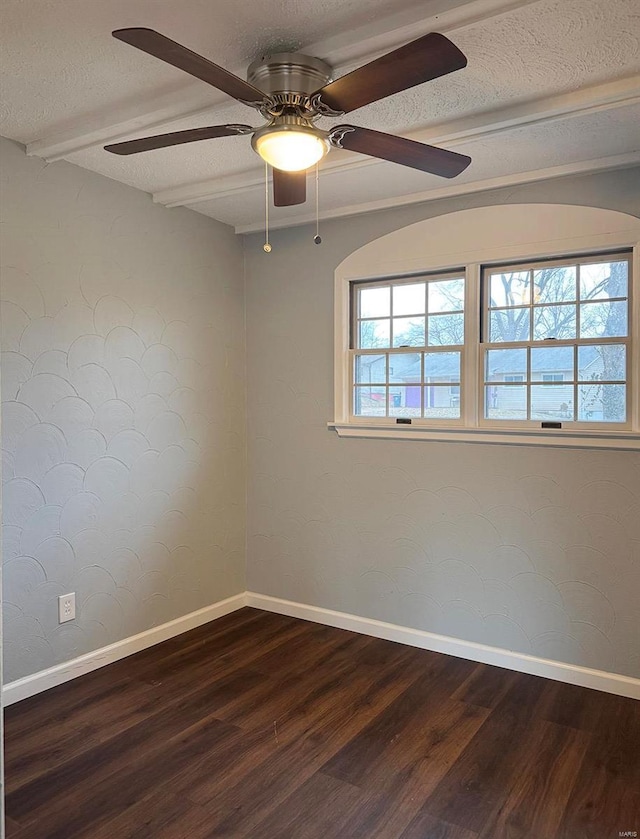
(570, 439)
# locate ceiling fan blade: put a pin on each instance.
(430, 159)
(420, 61)
(153, 43)
(176, 138)
(289, 188)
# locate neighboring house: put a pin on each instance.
(551, 394)
(442, 382)
(442, 389)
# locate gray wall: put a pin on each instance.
(123, 397)
(124, 452)
(531, 549)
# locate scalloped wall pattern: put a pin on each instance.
(527, 549)
(122, 411)
(123, 382)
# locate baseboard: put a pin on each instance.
(522, 663)
(45, 679)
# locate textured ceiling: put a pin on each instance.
(549, 83)
(63, 55)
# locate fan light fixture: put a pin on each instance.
(290, 147)
(292, 90)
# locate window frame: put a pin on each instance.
(477, 237)
(354, 351)
(630, 340)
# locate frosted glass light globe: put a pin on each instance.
(291, 151)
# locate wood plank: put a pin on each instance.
(414, 762)
(606, 795)
(25, 715)
(319, 808)
(97, 763)
(538, 798)
(161, 815)
(33, 754)
(289, 691)
(410, 711)
(480, 779)
(12, 828)
(425, 826)
(577, 707)
(79, 810)
(486, 686)
(285, 700)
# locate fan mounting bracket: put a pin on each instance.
(240, 129)
(336, 135)
(321, 108)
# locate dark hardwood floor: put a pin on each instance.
(263, 726)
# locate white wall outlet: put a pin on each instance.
(67, 607)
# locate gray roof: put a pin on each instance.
(445, 364)
(510, 360)
(440, 364)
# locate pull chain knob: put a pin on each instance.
(317, 238)
(266, 247)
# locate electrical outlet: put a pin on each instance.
(67, 607)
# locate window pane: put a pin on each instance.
(551, 402)
(405, 401)
(409, 299)
(508, 402)
(370, 401)
(554, 322)
(405, 367)
(441, 403)
(446, 296)
(375, 302)
(554, 285)
(602, 361)
(604, 279)
(502, 363)
(374, 334)
(408, 332)
(442, 367)
(509, 325)
(603, 320)
(446, 329)
(602, 403)
(371, 368)
(551, 361)
(512, 288)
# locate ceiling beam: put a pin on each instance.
(602, 164)
(618, 94)
(350, 48)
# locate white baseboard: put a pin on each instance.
(522, 663)
(45, 679)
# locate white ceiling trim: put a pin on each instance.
(602, 164)
(617, 94)
(357, 45)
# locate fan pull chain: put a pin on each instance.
(266, 247)
(317, 238)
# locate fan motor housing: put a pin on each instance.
(289, 72)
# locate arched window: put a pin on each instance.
(514, 323)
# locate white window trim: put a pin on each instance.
(534, 232)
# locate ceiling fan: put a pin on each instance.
(292, 91)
